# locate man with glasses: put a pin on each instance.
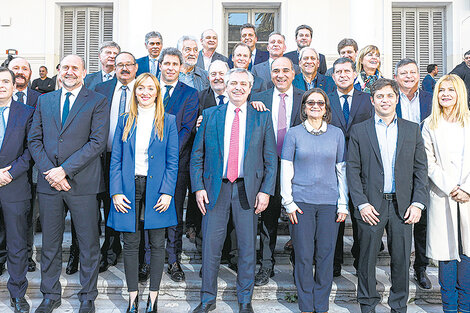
(108, 51)
(149, 63)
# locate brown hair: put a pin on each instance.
(327, 116)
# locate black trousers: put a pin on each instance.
(132, 242)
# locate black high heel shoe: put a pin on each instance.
(134, 308)
(152, 307)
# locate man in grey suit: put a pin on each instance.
(108, 51)
(233, 171)
(207, 54)
(68, 135)
(387, 178)
(190, 74)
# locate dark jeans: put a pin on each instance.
(132, 243)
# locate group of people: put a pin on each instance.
(247, 135)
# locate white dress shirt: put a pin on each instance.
(163, 88)
(229, 116)
(216, 97)
(410, 109)
(253, 56)
(15, 96)
(72, 98)
(114, 111)
(103, 75)
(289, 100)
(145, 119)
(341, 99)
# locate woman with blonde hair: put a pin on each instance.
(143, 172)
(446, 134)
(367, 68)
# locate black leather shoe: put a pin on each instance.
(134, 308)
(204, 307)
(72, 265)
(104, 265)
(31, 265)
(175, 272)
(336, 270)
(245, 308)
(48, 305)
(2, 268)
(144, 272)
(233, 266)
(87, 306)
(423, 280)
(20, 305)
(152, 307)
(262, 278)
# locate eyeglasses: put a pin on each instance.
(121, 66)
(321, 104)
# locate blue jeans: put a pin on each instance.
(454, 278)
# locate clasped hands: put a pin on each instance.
(370, 215)
(121, 203)
(459, 195)
(5, 177)
(261, 201)
(56, 178)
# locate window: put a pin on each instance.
(265, 21)
(418, 33)
(83, 30)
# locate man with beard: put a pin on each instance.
(108, 51)
(149, 63)
(248, 36)
(191, 75)
(207, 55)
(68, 134)
(43, 84)
(303, 38)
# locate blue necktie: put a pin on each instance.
(166, 98)
(153, 68)
(345, 108)
(66, 109)
(122, 101)
(221, 99)
(107, 77)
(2, 124)
(20, 96)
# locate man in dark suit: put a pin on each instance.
(284, 102)
(463, 71)
(233, 170)
(241, 56)
(309, 77)
(387, 179)
(348, 107)
(303, 38)
(414, 105)
(43, 84)
(149, 63)
(68, 135)
(180, 100)
(248, 36)
(118, 92)
(429, 80)
(207, 55)
(15, 189)
(347, 48)
(191, 75)
(108, 51)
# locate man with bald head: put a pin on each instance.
(209, 42)
(22, 92)
(68, 134)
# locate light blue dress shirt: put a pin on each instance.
(387, 136)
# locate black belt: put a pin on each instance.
(137, 177)
(239, 179)
(390, 196)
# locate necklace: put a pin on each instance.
(313, 131)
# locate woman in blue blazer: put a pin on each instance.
(143, 172)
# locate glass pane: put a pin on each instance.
(264, 23)
(235, 20)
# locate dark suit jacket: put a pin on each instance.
(361, 110)
(294, 56)
(425, 104)
(32, 98)
(463, 71)
(260, 158)
(215, 56)
(144, 66)
(206, 99)
(365, 172)
(107, 89)
(263, 70)
(428, 83)
(326, 83)
(14, 151)
(93, 79)
(76, 146)
(260, 57)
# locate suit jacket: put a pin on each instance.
(326, 83)
(93, 79)
(215, 56)
(32, 98)
(425, 105)
(144, 66)
(463, 71)
(259, 85)
(260, 157)
(361, 110)
(206, 99)
(294, 56)
(428, 83)
(14, 151)
(260, 57)
(184, 105)
(263, 70)
(76, 146)
(107, 89)
(161, 176)
(365, 172)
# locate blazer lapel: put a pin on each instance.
(250, 121)
(354, 107)
(12, 117)
(296, 103)
(401, 135)
(174, 96)
(373, 139)
(398, 109)
(336, 106)
(220, 124)
(76, 107)
(56, 108)
(423, 109)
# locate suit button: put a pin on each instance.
(151, 156)
(380, 190)
(55, 156)
(151, 176)
(61, 140)
(381, 173)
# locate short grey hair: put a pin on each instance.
(404, 62)
(202, 34)
(152, 34)
(302, 51)
(238, 70)
(170, 51)
(218, 62)
(109, 44)
(183, 39)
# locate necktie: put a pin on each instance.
(345, 108)
(221, 99)
(107, 76)
(20, 96)
(122, 101)
(166, 97)
(66, 109)
(153, 68)
(232, 164)
(281, 123)
(2, 124)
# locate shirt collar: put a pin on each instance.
(103, 74)
(415, 96)
(25, 91)
(379, 121)
(231, 107)
(162, 84)
(130, 86)
(74, 92)
(289, 92)
(350, 93)
(9, 104)
(309, 127)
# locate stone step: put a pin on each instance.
(279, 288)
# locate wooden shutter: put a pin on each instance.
(107, 24)
(397, 38)
(94, 39)
(424, 34)
(81, 34)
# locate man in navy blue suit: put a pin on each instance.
(414, 105)
(233, 172)
(68, 134)
(182, 101)
(310, 77)
(108, 51)
(429, 81)
(149, 63)
(248, 36)
(15, 189)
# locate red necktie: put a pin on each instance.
(232, 164)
